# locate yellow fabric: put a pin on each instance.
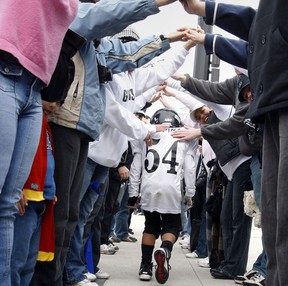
(32, 195)
(45, 256)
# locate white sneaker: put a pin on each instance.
(239, 279)
(90, 276)
(106, 249)
(185, 239)
(85, 282)
(192, 255)
(204, 262)
(113, 246)
(185, 245)
(102, 275)
(145, 272)
(256, 280)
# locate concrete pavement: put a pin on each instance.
(124, 265)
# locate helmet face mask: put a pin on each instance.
(167, 116)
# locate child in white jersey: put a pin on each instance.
(160, 194)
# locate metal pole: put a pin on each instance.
(202, 61)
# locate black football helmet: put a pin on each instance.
(166, 115)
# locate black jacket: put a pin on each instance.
(268, 58)
(267, 33)
(225, 149)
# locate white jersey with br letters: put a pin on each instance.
(161, 173)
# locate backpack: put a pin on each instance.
(63, 75)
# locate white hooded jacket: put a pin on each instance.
(119, 123)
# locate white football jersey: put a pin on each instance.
(161, 173)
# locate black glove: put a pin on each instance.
(132, 201)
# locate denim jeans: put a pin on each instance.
(260, 263)
(121, 217)
(201, 248)
(95, 175)
(93, 225)
(235, 224)
(187, 227)
(198, 213)
(20, 126)
(27, 230)
(185, 220)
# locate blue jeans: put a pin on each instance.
(201, 248)
(235, 224)
(121, 217)
(187, 228)
(186, 225)
(93, 225)
(27, 229)
(95, 175)
(20, 127)
(260, 264)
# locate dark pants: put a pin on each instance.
(197, 216)
(275, 196)
(110, 207)
(235, 224)
(71, 149)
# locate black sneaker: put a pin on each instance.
(162, 256)
(130, 231)
(145, 272)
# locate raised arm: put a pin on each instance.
(194, 7)
(108, 17)
(232, 51)
(234, 19)
(218, 92)
(160, 3)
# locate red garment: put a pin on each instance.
(34, 189)
(47, 238)
(34, 186)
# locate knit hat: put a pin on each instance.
(197, 105)
(128, 32)
(242, 82)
